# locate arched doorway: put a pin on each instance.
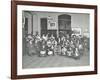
(64, 24)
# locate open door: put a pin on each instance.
(43, 26)
(64, 23)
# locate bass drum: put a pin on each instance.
(50, 52)
(43, 53)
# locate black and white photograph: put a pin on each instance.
(50, 40)
(55, 39)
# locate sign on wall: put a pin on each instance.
(76, 31)
(51, 24)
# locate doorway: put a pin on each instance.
(45, 30)
(43, 26)
(64, 24)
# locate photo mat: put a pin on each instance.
(82, 21)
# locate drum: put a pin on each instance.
(50, 53)
(42, 53)
(69, 53)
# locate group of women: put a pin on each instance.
(46, 45)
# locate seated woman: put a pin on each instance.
(44, 37)
(54, 43)
(52, 37)
(30, 45)
(49, 43)
(63, 50)
(69, 51)
(50, 47)
(42, 48)
(72, 44)
(43, 51)
(50, 52)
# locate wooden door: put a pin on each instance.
(43, 26)
(64, 23)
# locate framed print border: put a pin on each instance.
(14, 45)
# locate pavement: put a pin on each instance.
(35, 61)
